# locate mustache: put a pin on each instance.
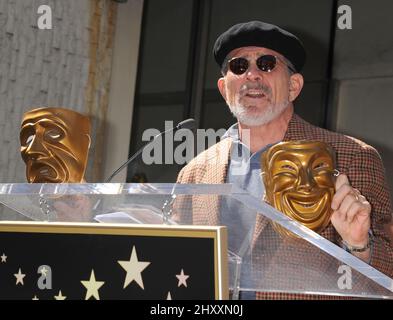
(255, 86)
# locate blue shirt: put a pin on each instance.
(244, 170)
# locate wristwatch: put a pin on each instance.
(354, 249)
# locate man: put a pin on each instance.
(261, 65)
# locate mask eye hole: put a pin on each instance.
(321, 165)
(53, 134)
(27, 135)
(288, 167)
(29, 139)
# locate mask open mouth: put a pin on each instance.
(46, 171)
(42, 173)
(307, 207)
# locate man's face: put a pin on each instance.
(299, 181)
(256, 97)
(54, 145)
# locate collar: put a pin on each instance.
(232, 132)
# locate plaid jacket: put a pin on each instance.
(359, 161)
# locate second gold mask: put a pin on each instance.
(299, 182)
(54, 145)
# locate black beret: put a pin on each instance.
(260, 34)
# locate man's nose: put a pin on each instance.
(253, 72)
(306, 180)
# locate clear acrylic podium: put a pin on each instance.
(259, 258)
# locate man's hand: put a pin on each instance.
(351, 214)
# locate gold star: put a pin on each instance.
(60, 296)
(182, 278)
(92, 287)
(3, 258)
(19, 277)
(134, 269)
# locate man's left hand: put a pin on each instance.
(351, 213)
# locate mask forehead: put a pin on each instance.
(64, 117)
(304, 151)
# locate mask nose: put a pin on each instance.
(306, 181)
(36, 149)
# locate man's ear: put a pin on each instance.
(221, 87)
(296, 82)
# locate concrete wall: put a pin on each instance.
(68, 66)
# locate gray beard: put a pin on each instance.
(272, 112)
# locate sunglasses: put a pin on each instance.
(265, 63)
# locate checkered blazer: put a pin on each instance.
(359, 161)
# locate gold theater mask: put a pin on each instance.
(299, 182)
(54, 145)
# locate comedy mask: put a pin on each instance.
(54, 145)
(299, 182)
